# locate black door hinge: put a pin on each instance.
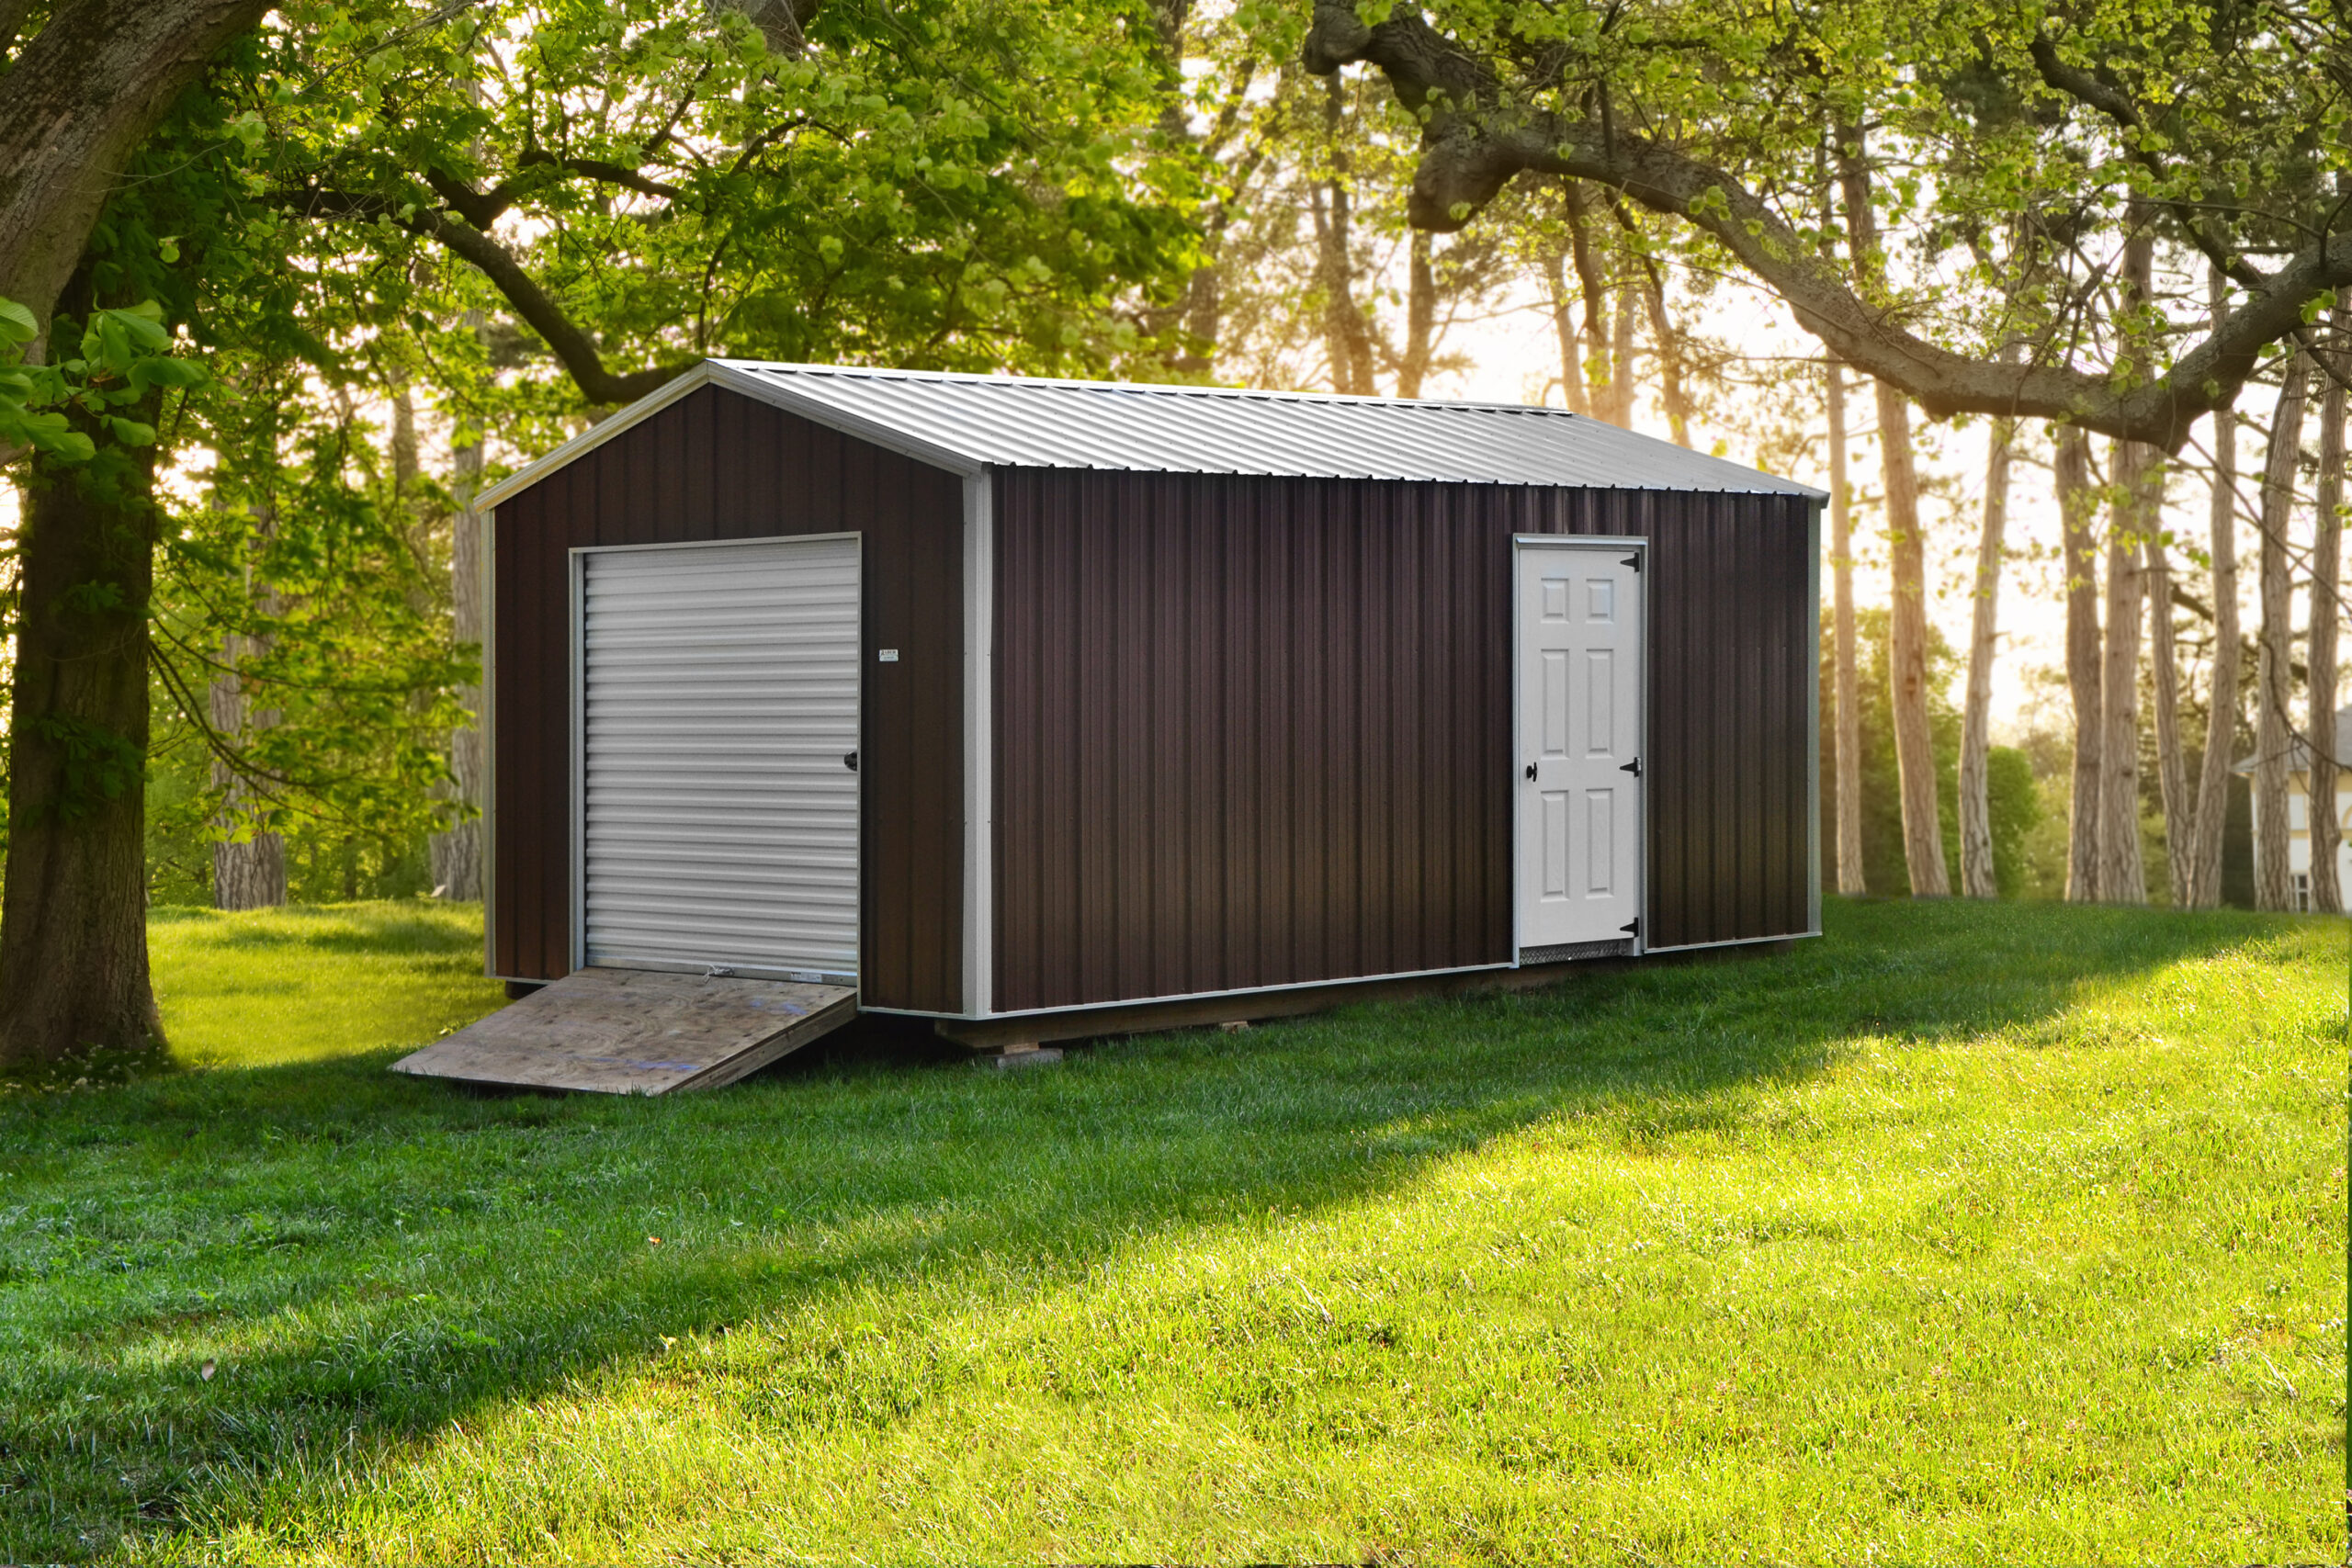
(1635, 562)
(849, 761)
(1633, 767)
(1531, 771)
(1632, 927)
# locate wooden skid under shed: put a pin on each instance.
(638, 1032)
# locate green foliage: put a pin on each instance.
(125, 358)
(977, 186)
(970, 186)
(2009, 1233)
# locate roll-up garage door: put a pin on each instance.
(719, 695)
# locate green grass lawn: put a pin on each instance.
(1983, 1234)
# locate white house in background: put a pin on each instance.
(2299, 816)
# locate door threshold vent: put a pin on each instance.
(1568, 952)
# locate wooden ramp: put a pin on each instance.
(636, 1032)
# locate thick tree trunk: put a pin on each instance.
(2326, 623)
(1976, 877)
(2274, 683)
(80, 98)
(1850, 880)
(457, 852)
(74, 981)
(2073, 483)
(2221, 706)
(2122, 877)
(1915, 746)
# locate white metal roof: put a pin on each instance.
(971, 422)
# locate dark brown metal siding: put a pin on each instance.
(717, 466)
(1253, 732)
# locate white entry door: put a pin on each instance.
(1579, 733)
(718, 783)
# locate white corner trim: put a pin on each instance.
(979, 746)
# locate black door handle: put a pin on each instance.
(1530, 773)
(1633, 767)
(849, 761)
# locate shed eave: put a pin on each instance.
(719, 373)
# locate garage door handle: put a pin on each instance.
(849, 761)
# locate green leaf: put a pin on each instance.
(130, 433)
(16, 323)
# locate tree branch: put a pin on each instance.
(573, 348)
(1474, 140)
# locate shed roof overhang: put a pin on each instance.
(968, 425)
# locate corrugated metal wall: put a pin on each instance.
(1255, 732)
(717, 465)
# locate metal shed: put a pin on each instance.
(1026, 704)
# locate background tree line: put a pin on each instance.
(341, 263)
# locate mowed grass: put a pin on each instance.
(1967, 1234)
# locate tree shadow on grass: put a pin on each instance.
(364, 1258)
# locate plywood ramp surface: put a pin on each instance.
(638, 1032)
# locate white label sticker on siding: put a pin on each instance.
(890, 656)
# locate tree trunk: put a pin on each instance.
(1620, 361)
(2134, 524)
(1594, 365)
(1849, 714)
(2221, 706)
(248, 873)
(2073, 483)
(74, 981)
(2122, 877)
(457, 851)
(1564, 326)
(1669, 362)
(2326, 622)
(1976, 878)
(1915, 749)
(1420, 317)
(2274, 687)
(2171, 765)
(1348, 342)
(82, 96)
(1915, 746)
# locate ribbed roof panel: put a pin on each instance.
(1018, 421)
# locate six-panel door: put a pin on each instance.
(1579, 730)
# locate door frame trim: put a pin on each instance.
(576, 568)
(1521, 543)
